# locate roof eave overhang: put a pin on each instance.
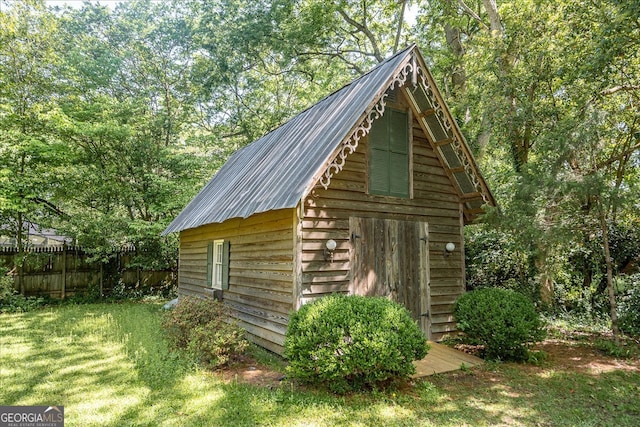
(478, 195)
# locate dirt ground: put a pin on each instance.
(572, 354)
(248, 371)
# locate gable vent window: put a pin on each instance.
(218, 264)
(389, 155)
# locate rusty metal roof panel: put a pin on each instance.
(274, 171)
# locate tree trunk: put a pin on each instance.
(519, 137)
(494, 17)
(63, 289)
(608, 261)
(403, 5)
(545, 277)
(18, 260)
(458, 74)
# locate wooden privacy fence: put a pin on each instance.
(59, 272)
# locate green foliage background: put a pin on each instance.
(112, 118)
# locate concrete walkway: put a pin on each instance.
(443, 359)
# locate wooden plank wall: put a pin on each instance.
(327, 212)
(260, 290)
(62, 271)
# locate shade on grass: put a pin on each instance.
(109, 366)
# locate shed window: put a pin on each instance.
(218, 264)
(389, 155)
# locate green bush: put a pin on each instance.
(495, 257)
(352, 343)
(11, 301)
(6, 285)
(629, 309)
(202, 328)
(502, 320)
(20, 304)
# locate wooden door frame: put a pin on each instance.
(425, 281)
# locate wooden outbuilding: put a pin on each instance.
(366, 192)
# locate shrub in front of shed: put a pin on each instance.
(201, 328)
(505, 322)
(352, 342)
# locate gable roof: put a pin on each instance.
(282, 168)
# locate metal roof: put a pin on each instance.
(279, 169)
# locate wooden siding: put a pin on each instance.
(434, 201)
(260, 290)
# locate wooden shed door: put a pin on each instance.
(391, 258)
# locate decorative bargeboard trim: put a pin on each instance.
(351, 144)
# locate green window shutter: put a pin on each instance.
(379, 171)
(399, 175)
(389, 155)
(226, 253)
(210, 264)
(379, 156)
(399, 154)
(378, 134)
(398, 132)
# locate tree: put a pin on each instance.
(30, 157)
(552, 117)
(112, 118)
(129, 123)
(262, 62)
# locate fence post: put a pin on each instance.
(64, 271)
(101, 278)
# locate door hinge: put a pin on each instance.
(425, 314)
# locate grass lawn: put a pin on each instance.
(108, 365)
